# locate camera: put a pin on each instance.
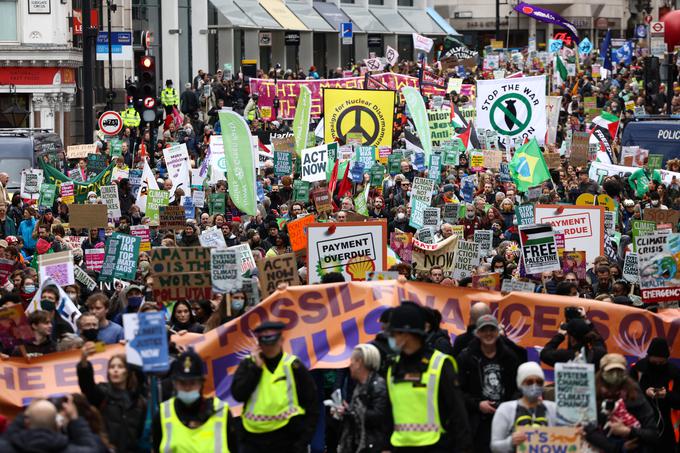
(58, 401)
(569, 314)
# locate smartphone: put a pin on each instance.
(572, 313)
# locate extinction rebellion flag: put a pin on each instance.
(539, 250)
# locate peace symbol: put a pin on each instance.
(373, 64)
(510, 112)
(390, 54)
(359, 113)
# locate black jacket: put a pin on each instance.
(78, 439)
(376, 418)
(552, 354)
(440, 340)
(123, 411)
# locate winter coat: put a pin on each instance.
(19, 439)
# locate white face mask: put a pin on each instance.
(401, 216)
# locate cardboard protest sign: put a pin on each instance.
(539, 250)
(467, 259)
(657, 267)
(401, 244)
(512, 285)
(80, 151)
(283, 163)
(490, 282)
(492, 159)
(297, 232)
(245, 256)
(351, 248)
(575, 393)
(120, 260)
(582, 226)
(579, 149)
(314, 162)
(172, 217)
(431, 217)
(94, 259)
(144, 233)
(662, 216)
(58, 266)
(630, 268)
(550, 439)
(154, 200)
(181, 273)
(552, 160)
(225, 270)
(109, 196)
(146, 339)
(212, 238)
(88, 216)
(276, 270)
(425, 256)
(322, 200)
(14, 327)
(633, 156)
(283, 144)
(574, 261)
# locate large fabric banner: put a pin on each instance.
(287, 91)
(325, 322)
(54, 176)
(240, 162)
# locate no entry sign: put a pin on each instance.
(110, 123)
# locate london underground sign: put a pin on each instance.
(110, 123)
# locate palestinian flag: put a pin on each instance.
(603, 131)
(561, 69)
(608, 121)
(457, 120)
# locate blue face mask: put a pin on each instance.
(188, 397)
(29, 289)
(393, 344)
(532, 392)
(135, 301)
(237, 305)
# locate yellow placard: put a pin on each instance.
(368, 112)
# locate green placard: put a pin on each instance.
(217, 203)
(300, 191)
(394, 163)
(120, 257)
(377, 175)
(47, 194)
(525, 214)
(96, 163)
(283, 163)
(154, 200)
(116, 147)
(641, 227)
(655, 161)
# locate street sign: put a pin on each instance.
(121, 46)
(641, 31)
(657, 28)
(110, 123)
(346, 32)
(149, 102)
(657, 47)
(648, 19)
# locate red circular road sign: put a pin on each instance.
(110, 123)
(657, 27)
(149, 102)
(648, 19)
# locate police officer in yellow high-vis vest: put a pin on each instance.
(188, 422)
(169, 97)
(130, 115)
(428, 409)
(279, 395)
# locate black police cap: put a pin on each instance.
(409, 317)
(187, 366)
(269, 325)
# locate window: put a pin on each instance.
(404, 2)
(346, 1)
(8, 20)
(376, 2)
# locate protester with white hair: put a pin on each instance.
(529, 410)
(364, 428)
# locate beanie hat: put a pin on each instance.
(658, 347)
(528, 369)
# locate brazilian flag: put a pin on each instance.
(527, 167)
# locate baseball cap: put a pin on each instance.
(613, 361)
(486, 320)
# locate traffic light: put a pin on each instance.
(147, 77)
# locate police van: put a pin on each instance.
(22, 148)
(659, 136)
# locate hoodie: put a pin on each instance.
(78, 439)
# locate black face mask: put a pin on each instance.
(90, 334)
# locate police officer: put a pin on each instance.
(189, 422)
(427, 405)
(130, 115)
(280, 405)
(169, 97)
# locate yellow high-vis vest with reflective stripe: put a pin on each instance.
(274, 401)
(209, 437)
(415, 406)
(169, 97)
(130, 117)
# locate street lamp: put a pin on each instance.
(15, 115)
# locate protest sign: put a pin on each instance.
(172, 217)
(314, 162)
(573, 261)
(154, 200)
(341, 118)
(394, 163)
(426, 235)
(74, 242)
(379, 276)
(434, 167)
(633, 156)
(245, 257)
(225, 270)
(58, 266)
(489, 282)
(450, 213)
(67, 192)
(143, 232)
(539, 250)
(485, 240)
(422, 189)
(662, 216)
(582, 226)
(212, 238)
(84, 279)
(417, 218)
(31, 180)
(440, 125)
(47, 195)
(476, 161)
(365, 155)
(217, 203)
(14, 327)
(351, 248)
(579, 149)
(76, 174)
(401, 243)
(322, 200)
(357, 172)
(467, 259)
(80, 151)
(121, 255)
(96, 163)
(655, 161)
(283, 144)
(276, 270)
(187, 205)
(116, 147)
(640, 228)
(178, 165)
(94, 259)
(431, 217)
(492, 159)
(110, 198)
(283, 163)
(146, 341)
(297, 232)
(575, 393)
(551, 439)
(657, 267)
(199, 198)
(552, 160)
(630, 268)
(181, 273)
(377, 175)
(513, 285)
(425, 256)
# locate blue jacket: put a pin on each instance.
(26, 228)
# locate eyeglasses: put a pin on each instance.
(533, 382)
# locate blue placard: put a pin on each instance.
(149, 342)
(641, 31)
(189, 208)
(357, 172)
(346, 30)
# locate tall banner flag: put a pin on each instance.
(514, 108)
(605, 51)
(416, 107)
(528, 167)
(240, 161)
(368, 113)
(603, 131)
(547, 16)
(301, 121)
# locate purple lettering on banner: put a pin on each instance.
(546, 321)
(100, 367)
(347, 304)
(257, 312)
(28, 375)
(222, 378)
(602, 328)
(300, 350)
(7, 375)
(279, 312)
(65, 374)
(627, 322)
(672, 330)
(333, 300)
(451, 314)
(506, 318)
(306, 303)
(223, 332)
(382, 291)
(372, 321)
(350, 332)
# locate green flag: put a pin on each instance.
(54, 176)
(560, 68)
(527, 167)
(301, 121)
(240, 163)
(416, 108)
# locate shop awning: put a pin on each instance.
(283, 15)
(333, 15)
(233, 14)
(258, 14)
(310, 17)
(392, 21)
(443, 23)
(364, 19)
(421, 22)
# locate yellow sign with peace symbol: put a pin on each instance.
(365, 113)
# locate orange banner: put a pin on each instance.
(325, 322)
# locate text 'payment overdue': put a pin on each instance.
(339, 251)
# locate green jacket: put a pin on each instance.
(639, 181)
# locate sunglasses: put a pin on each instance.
(533, 382)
